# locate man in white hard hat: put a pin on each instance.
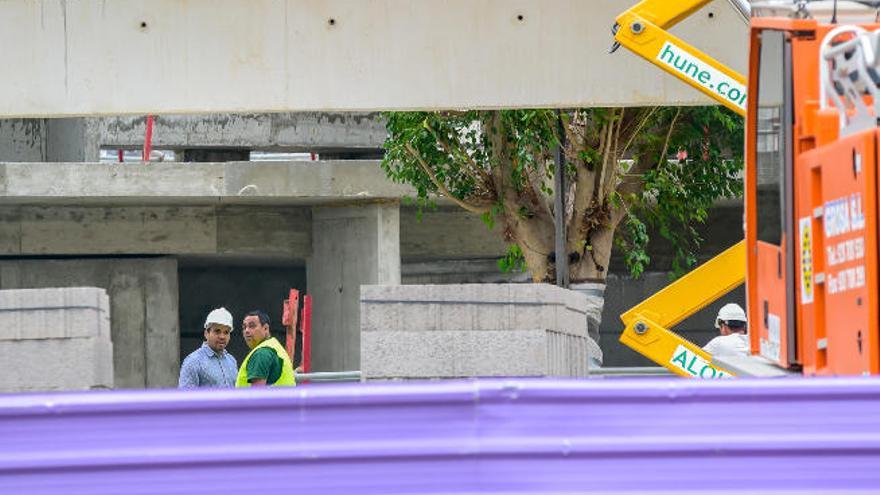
(734, 339)
(210, 365)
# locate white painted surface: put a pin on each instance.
(99, 57)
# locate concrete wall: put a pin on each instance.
(48, 140)
(301, 131)
(143, 309)
(337, 55)
(55, 339)
(448, 331)
(137, 184)
(351, 247)
(267, 232)
(23, 140)
(80, 139)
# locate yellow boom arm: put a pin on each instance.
(642, 30)
(647, 324)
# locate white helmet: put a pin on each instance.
(219, 315)
(730, 312)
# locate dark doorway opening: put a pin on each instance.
(239, 288)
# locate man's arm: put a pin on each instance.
(189, 375)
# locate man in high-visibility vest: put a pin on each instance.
(268, 362)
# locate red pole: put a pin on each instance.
(148, 139)
(307, 333)
(121, 154)
(288, 319)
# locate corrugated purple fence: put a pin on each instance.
(488, 436)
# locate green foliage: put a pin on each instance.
(678, 194)
(456, 147)
(513, 261)
(633, 241)
(673, 197)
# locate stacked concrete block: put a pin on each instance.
(448, 331)
(55, 339)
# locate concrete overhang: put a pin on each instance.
(97, 57)
(202, 184)
(289, 183)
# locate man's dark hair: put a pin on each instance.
(736, 325)
(264, 318)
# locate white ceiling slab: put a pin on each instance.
(113, 57)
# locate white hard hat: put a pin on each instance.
(219, 315)
(730, 312)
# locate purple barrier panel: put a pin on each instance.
(484, 436)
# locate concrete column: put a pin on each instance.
(52, 140)
(351, 246)
(22, 140)
(72, 140)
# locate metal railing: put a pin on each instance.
(630, 371)
(329, 376)
(355, 376)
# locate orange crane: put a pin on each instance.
(811, 232)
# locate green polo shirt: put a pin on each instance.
(264, 364)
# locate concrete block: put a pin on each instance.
(496, 330)
(407, 354)
(32, 314)
(419, 317)
(569, 321)
(55, 339)
(56, 364)
(534, 316)
(500, 353)
(483, 317)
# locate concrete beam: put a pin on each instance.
(246, 231)
(197, 183)
(268, 232)
(166, 56)
(304, 131)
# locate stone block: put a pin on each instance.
(500, 353)
(478, 329)
(54, 313)
(57, 364)
(55, 339)
(407, 354)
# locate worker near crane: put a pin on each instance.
(734, 340)
(210, 365)
(268, 362)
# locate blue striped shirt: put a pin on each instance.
(206, 368)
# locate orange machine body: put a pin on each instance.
(811, 212)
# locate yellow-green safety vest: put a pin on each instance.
(287, 378)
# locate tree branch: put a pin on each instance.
(474, 167)
(669, 133)
(637, 130)
(607, 168)
(479, 210)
